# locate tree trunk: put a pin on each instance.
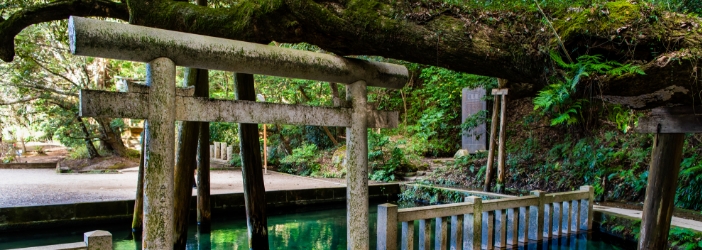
(285, 142)
(501, 146)
(491, 146)
(204, 215)
(138, 217)
(184, 169)
(92, 152)
(336, 101)
(254, 191)
(497, 43)
(111, 139)
(660, 192)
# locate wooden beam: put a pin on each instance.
(684, 119)
(94, 103)
(91, 37)
(251, 171)
(500, 91)
(660, 191)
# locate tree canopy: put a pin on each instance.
(511, 39)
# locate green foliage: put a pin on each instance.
(436, 107)
(683, 238)
(384, 158)
(224, 132)
(412, 194)
(473, 121)
(302, 161)
(558, 99)
(623, 117)
(80, 152)
(317, 136)
(688, 193)
(235, 161)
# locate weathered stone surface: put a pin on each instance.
(217, 150)
(230, 152)
(158, 169)
(67, 246)
(223, 151)
(357, 169)
(407, 235)
(95, 103)
(472, 103)
(424, 235)
(473, 225)
(524, 224)
(456, 241)
(512, 226)
(98, 240)
(387, 226)
(500, 228)
(440, 233)
(461, 153)
(91, 37)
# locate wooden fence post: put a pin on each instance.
(387, 227)
(473, 232)
(536, 217)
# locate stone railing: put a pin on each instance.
(221, 151)
(478, 224)
(93, 240)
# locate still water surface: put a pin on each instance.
(304, 230)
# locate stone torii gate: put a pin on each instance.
(161, 105)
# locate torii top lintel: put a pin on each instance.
(90, 37)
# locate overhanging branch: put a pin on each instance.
(29, 99)
(51, 12)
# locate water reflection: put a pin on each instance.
(308, 230)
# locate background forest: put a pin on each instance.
(559, 137)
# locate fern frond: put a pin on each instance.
(559, 61)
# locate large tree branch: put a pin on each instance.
(512, 45)
(30, 85)
(41, 65)
(29, 99)
(54, 11)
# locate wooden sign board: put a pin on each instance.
(500, 91)
(666, 120)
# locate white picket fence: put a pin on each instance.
(478, 224)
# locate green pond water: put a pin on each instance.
(324, 229)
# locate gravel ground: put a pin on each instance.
(31, 187)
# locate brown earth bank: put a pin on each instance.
(594, 152)
(100, 164)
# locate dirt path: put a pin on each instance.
(677, 221)
(54, 152)
(30, 187)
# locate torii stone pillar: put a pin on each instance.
(158, 168)
(357, 169)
